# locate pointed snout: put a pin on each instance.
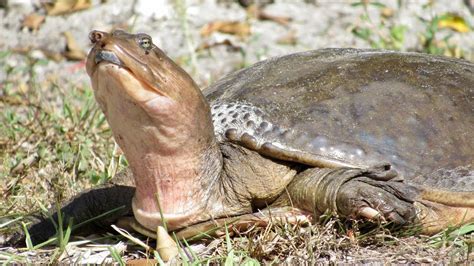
(97, 36)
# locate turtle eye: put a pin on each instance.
(145, 42)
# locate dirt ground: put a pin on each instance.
(49, 115)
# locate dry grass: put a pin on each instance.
(54, 141)
(329, 242)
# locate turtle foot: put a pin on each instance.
(352, 193)
(437, 204)
(374, 200)
(242, 223)
(229, 225)
(433, 209)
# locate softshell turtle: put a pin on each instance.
(360, 133)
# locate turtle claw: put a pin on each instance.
(372, 214)
(369, 213)
(351, 192)
(382, 201)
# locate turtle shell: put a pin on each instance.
(413, 110)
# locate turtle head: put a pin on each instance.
(161, 121)
(134, 58)
(134, 81)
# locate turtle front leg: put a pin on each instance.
(254, 130)
(350, 193)
(437, 207)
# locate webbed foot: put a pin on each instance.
(349, 192)
(387, 201)
(353, 193)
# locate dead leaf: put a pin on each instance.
(258, 13)
(226, 42)
(351, 235)
(454, 22)
(61, 7)
(141, 262)
(241, 29)
(387, 12)
(23, 88)
(33, 21)
(73, 51)
(25, 163)
(455, 51)
(55, 56)
(288, 39)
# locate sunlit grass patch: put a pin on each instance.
(54, 140)
(385, 31)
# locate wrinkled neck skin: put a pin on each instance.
(169, 143)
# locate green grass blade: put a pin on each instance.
(116, 256)
(28, 242)
(463, 230)
(158, 258)
(97, 217)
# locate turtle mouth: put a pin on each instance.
(110, 57)
(107, 56)
(130, 64)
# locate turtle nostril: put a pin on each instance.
(96, 36)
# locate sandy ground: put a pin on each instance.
(314, 25)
